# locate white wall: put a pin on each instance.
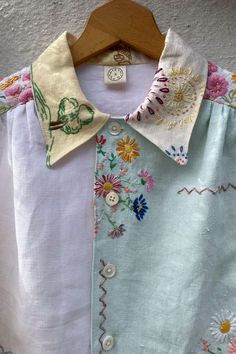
(27, 27)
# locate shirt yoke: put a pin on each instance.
(15, 89)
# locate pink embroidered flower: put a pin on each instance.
(100, 165)
(123, 171)
(25, 96)
(232, 347)
(100, 139)
(107, 183)
(12, 90)
(205, 345)
(117, 231)
(146, 179)
(211, 68)
(216, 85)
(26, 76)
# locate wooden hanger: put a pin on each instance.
(118, 21)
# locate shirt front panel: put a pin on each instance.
(169, 238)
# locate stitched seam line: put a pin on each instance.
(103, 304)
(219, 189)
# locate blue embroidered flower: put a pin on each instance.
(178, 154)
(140, 207)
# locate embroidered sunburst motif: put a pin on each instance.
(184, 87)
(223, 326)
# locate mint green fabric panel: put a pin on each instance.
(176, 267)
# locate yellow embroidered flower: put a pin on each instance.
(184, 88)
(127, 148)
(223, 327)
(233, 77)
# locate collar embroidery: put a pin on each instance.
(166, 117)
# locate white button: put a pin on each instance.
(109, 270)
(114, 128)
(112, 198)
(108, 343)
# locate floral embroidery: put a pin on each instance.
(223, 333)
(106, 184)
(146, 179)
(140, 207)
(2, 351)
(117, 231)
(112, 175)
(223, 327)
(216, 86)
(127, 148)
(220, 86)
(171, 99)
(15, 90)
(179, 155)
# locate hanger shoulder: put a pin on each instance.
(115, 21)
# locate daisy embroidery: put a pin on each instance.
(223, 326)
(107, 183)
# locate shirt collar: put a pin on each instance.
(166, 117)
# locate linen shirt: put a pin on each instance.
(117, 207)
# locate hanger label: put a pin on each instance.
(114, 74)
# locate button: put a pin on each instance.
(108, 343)
(112, 198)
(114, 128)
(109, 270)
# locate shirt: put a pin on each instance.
(117, 210)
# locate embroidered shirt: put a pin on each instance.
(118, 217)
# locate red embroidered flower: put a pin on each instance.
(100, 139)
(117, 231)
(107, 183)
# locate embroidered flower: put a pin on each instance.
(205, 345)
(178, 155)
(26, 95)
(140, 207)
(117, 231)
(211, 67)
(146, 179)
(183, 91)
(26, 76)
(123, 171)
(233, 77)
(127, 148)
(13, 90)
(107, 183)
(100, 139)
(232, 346)
(216, 85)
(223, 327)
